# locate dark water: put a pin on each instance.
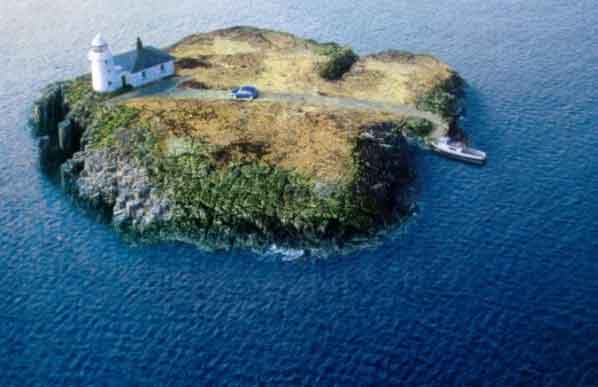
(494, 282)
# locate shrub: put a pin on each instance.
(418, 126)
(444, 98)
(341, 59)
(439, 102)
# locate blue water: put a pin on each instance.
(494, 282)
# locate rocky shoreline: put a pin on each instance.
(113, 159)
(114, 181)
(100, 178)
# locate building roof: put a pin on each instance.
(141, 58)
(98, 41)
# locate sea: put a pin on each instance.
(493, 282)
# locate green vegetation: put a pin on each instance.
(412, 127)
(238, 199)
(238, 190)
(88, 109)
(79, 90)
(444, 98)
(251, 199)
(341, 59)
(107, 121)
(418, 127)
(224, 200)
(438, 101)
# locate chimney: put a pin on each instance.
(139, 44)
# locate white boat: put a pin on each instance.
(457, 150)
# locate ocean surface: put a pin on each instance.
(493, 282)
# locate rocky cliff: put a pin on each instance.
(223, 173)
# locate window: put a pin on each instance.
(162, 67)
(106, 61)
(109, 83)
(143, 75)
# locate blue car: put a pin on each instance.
(245, 92)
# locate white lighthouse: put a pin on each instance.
(102, 66)
(135, 68)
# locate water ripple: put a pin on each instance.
(493, 282)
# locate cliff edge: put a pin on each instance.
(322, 157)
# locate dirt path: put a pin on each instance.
(168, 88)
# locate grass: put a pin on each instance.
(283, 63)
(251, 199)
(275, 170)
(309, 140)
(109, 121)
(266, 170)
(80, 90)
(238, 195)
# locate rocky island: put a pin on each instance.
(320, 157)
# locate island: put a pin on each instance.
(320, 157)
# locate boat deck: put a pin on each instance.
(457, 150)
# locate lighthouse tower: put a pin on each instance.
(102, 66)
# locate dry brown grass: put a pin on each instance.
(307, 139)
(280, 62)
(314, 141)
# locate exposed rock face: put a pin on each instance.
(192, 195)
(59, 129)
(385, 166)
(104, 179)
(220, 173)
(67, 137)
(49, 110)
(247, 205)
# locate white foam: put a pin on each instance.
(286, 254)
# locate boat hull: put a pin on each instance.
(460, 157)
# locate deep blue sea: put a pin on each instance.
(494, 282)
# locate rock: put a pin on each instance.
(65, 136)
(103, 178)
(69, 171)
(385, 165)
(49, 110)
(208, 169)
(45, 148)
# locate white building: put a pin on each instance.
(135, 68)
